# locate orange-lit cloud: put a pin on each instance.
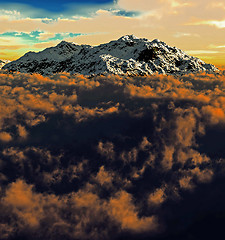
(87, 157)
(124, 211)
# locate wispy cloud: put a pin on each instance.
(13, 14)
(13, 47)
(216, 46)
(185, 34)
(216, 23)
(201, 52)
(220, 5)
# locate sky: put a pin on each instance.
(195, 26)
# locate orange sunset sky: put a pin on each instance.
(195, 26)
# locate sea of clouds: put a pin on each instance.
(112, 157)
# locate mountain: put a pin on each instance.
(127, 55)
(3, 63)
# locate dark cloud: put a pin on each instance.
(111, 157)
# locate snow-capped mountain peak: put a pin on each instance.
(128, 38)
(127, 55)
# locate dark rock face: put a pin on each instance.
(148, 54)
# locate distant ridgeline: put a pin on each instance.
(127, 55)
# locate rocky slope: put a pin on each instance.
(127, 55)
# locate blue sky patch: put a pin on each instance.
(127, 13)
(56, 6)
(34, 36)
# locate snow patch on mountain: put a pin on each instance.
(3, 63)
(127, 55)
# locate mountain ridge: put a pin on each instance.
(129, 55)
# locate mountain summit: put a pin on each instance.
(127, 55)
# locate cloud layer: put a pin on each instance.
(111, 157)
